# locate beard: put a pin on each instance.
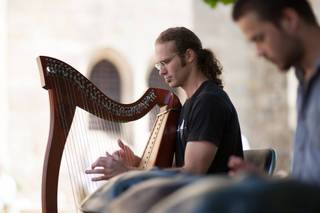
(183, 61)
(293, 59)
(293, 53)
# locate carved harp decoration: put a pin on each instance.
(69, 89)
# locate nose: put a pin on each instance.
(260, 50)
(162, 71)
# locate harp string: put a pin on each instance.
(125, 139)
(83, 144)
(74, 161)
(63, 114)
(92, 144)
(88, 150)
(80, 149)
(79, 145)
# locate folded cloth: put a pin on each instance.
(246, 194)
(141, 197)
(103, 196)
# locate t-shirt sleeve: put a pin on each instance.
(208, 118)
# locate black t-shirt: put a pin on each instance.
(210, 115)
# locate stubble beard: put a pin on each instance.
(175, 83)
(295, 54)
(293, 58)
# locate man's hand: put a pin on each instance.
(238, 165)
(107, 167)
(126, 155)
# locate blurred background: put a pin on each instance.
(112, 43)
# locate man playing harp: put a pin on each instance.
(208, 132)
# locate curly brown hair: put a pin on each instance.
(186, 39)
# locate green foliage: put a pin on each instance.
(213, 3)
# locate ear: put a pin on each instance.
(290, 20)
(189, 55)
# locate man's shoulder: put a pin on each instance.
(214, 95)
(212, 102)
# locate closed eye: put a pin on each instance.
(258, 38)
(166, 61)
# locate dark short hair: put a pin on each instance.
(186, 39)
(271, 10)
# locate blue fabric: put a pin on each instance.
(306, 156)
(252, 194)
(112, 189)
(170, 192)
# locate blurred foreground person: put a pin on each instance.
(286, 33)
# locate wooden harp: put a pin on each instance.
(69, 89)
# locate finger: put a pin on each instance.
(230, 162)
(116, 152)
(231, 173)
(96, 163)
(102, 162)
(100, 178)
(234, 161)
(94, 171)
(235, 158)
(122, 145)
(108, 154)
(116, 155)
